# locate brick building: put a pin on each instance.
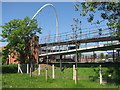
(33, 43)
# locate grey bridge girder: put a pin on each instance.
(88, 49)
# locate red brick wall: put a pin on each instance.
(35, 48)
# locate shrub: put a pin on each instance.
(11, 68)
(110, 74)
(113, 75)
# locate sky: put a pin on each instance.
(46, 18)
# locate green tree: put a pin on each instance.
(101, 56)
(110, 11)
(94, 56)
(17, 33)
(106, 56)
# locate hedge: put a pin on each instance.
(11, 68)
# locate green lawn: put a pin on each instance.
(62, 80)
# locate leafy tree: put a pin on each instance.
(110, 11)
(101, 56)
(17, 33)
(106, 56)
(113, 74)
(94, 56)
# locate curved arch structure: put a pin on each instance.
(56, 17)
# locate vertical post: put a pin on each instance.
(47, 59)
(76, 63)
(61, 63)
(46, 74)
(53, 72)
(73, 72)
(80, 57)
(27, 68)
(31, 70)
(9, 58)
(113, 56)
(18, 67)
(76, 54)
(118, 55)
(100, 72)
(93, 56)
(39, 70)
(75, 75)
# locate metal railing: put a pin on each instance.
(78, 35)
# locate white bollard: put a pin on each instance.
(27, 68)
(9, 59)
(73, 72)
(75, 76)
(19, 69)
(53, 72)
(39, 70)
(100, 72)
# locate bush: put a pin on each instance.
(12, 68)
(96, 76)
(110, 74)
(113, 75)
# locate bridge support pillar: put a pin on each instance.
(61, 63)
(118, 55)
(113, 56)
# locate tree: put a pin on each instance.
(106, 56)
(94, 56)
(110, 11)
(17, 33)
(101, 56)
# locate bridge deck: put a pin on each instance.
(88, 49)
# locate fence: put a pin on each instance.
(86, 71)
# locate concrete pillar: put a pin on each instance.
(113, 56)
(61, 63)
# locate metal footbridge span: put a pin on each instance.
(99, 38)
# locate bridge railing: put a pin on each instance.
(87, 33)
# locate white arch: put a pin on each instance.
(56, 17)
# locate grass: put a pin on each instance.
(62, 80)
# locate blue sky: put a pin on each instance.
(46, 18)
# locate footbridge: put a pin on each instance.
(99, 38)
